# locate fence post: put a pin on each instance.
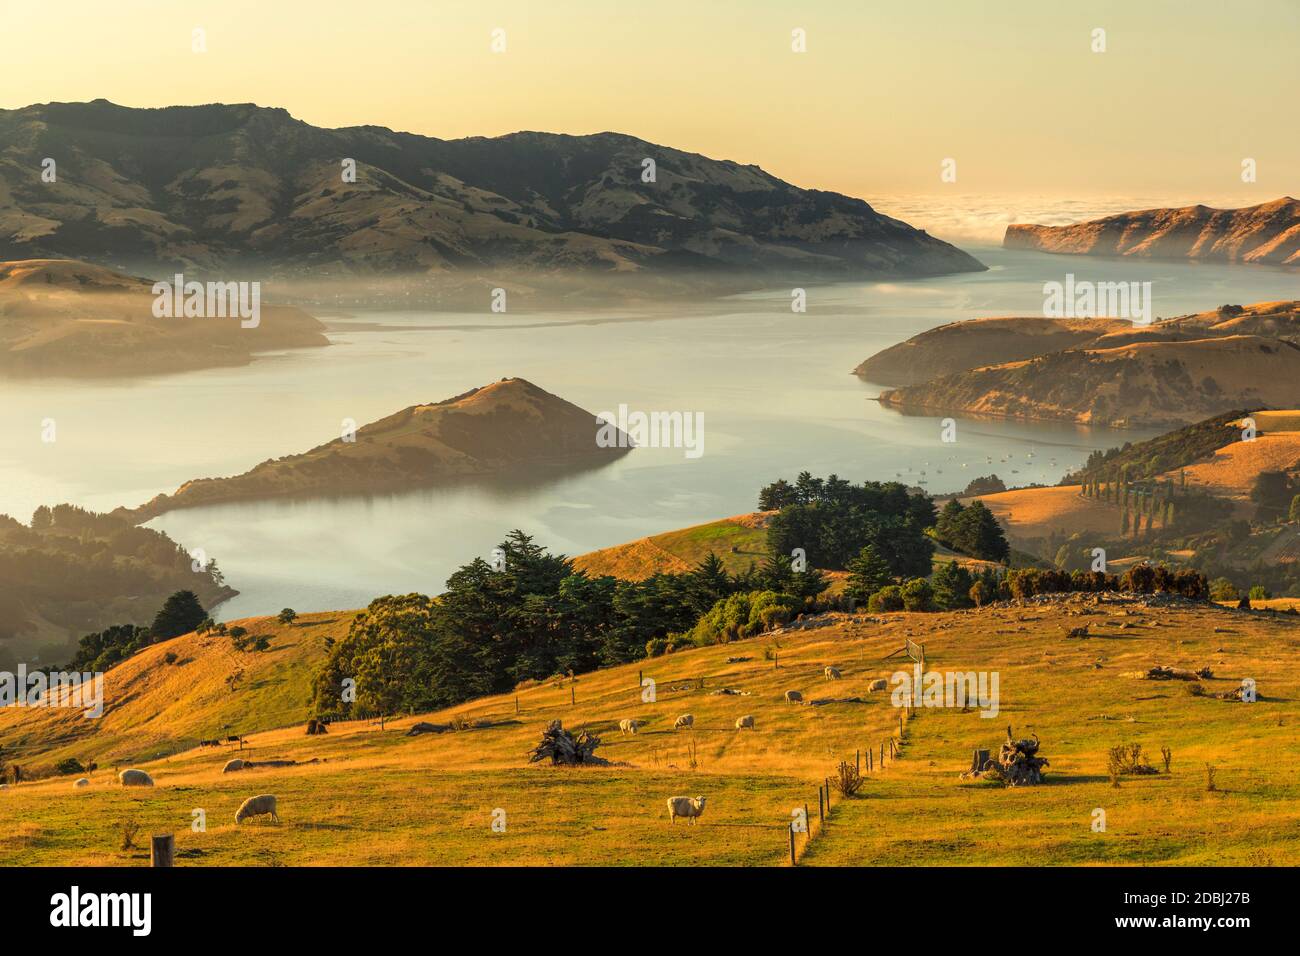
(573, 696)
(900, 725)
(162, 849)
(516, 706)
(828, 794)
(792, 863)
(857, 762)
(821, 808)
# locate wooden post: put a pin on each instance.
(573, 697)
(821, 806)
(857, 762)
(900, 725)
(162, 849)
(828, 794)
(807, 823)
(792, 844)
(882, 754)
(516, 706)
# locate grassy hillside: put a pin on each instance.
(737, 541)
(153, 708)
(379, 797)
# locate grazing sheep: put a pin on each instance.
(256, 806)
(745, 722)
(135, 778)
(832, 673)
(793, 697)
(233, 765)
(878, 684)
(83, 782)
(627, 726)
(687, 807)
(685, 720)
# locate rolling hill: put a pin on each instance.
(220, 187)
(1267, 234)
(361, 796)
(64, 317)
(974, 343)
(1172, 373)
(506, 425)
(738, 541)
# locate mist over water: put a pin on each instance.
(775, 389)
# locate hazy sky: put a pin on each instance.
(1010, 89)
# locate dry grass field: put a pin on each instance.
(378, 797)
(1233, 469)
(738, 541)
(1031, 514)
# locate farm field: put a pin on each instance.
(374, 796)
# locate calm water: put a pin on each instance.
(775, 389)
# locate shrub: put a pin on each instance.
(1259, 593)
(918, 595)
(656, 647)
(287, 616)
(743, 615)
(169, 657)
(1221, 589)
(847, 779)
(69, 765)
(886, 599)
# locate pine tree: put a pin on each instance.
(868, 573)
(180, 614)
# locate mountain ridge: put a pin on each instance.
(209, 187)
(1267, 233)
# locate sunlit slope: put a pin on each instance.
(152, 707)
(379, 797)
(738, 541)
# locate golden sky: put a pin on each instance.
(886, 91)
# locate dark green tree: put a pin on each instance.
(180, 614)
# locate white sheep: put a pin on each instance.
(135, 778)
(832, 673)
(628, 726)
(233, 765)
(685, 720)
(793, 697)
(83, 782)
(745, 722)
(687, 807)
(256, 806)
(878, 684)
